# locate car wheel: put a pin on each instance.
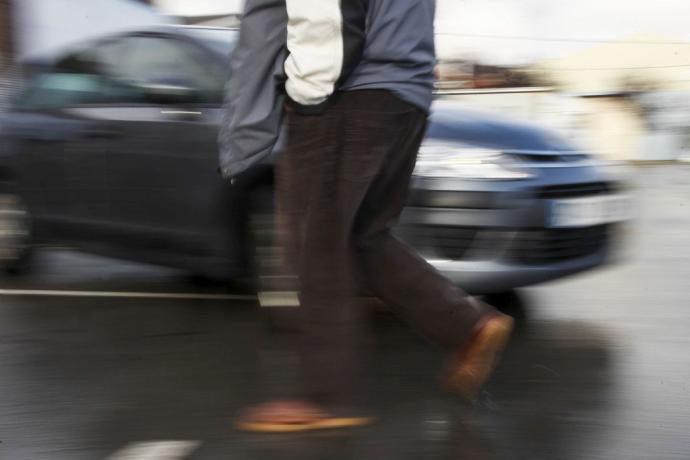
(15, 234)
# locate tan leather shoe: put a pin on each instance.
(472, 366)
(293, 417)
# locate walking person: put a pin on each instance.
(358, 83)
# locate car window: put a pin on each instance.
(223, 41)
(167, 61)
(101, 59)
(55, 90)
(89, 76)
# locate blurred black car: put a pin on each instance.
(112, 149)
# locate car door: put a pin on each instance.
(163, 184)
(64, 140)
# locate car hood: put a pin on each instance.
(450, 122)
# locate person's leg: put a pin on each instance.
(277, 254)
(314, 244)
(474, 332)
(356, 193)
(331, 316)
(334, 163)
(395, 273)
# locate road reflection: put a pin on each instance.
(549, 399)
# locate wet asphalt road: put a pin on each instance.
(599, 367)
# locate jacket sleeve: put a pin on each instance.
(325, 40)
(254, 99)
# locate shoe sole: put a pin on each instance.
(323, 424)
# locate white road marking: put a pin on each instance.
(180, 112)
(139, 295)
(156, 450)
(279, 299)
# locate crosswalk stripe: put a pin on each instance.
(156, 450)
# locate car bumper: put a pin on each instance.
(489, 239)
(486, 277)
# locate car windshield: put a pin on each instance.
(220, 40)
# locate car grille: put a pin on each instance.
(543, 247)
(447, 242)
(524, 247)
(574, 190)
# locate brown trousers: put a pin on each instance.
(341, 186)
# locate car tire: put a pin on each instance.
(15, 234)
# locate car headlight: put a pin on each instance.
(455, 161)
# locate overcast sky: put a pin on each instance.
(544, 19)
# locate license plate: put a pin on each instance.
(588, 211)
